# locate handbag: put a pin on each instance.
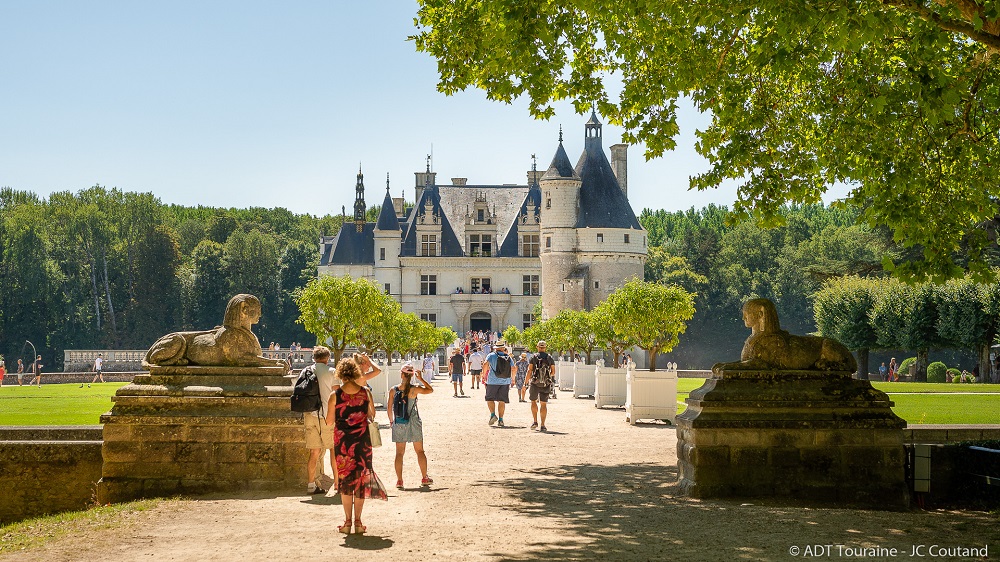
(374, 433)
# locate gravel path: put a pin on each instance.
(592, 488)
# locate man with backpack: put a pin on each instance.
(310, 396)
(540, 371)
(498, 382)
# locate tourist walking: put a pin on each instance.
(98, 369)
(456, 368)
(350, 410)
(893, 376)
(404, 418)
(498, 383)
(3, 370)
(522, 372)
(20, 372)
(476, 367)
(36, 369)
(540, 371)
(430, 366)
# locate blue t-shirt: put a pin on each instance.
(492, 360)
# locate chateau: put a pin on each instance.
(478, 257)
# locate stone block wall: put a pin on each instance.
(47, 470)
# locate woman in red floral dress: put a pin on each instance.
(350, 408)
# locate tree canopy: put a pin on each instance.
(900, 100)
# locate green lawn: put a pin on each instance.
(68, 404)
(56, 404)
(914, 403)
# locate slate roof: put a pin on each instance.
(602, 202)
(387, 216)
(457, 199)
(560, 166)
(508, 248)
(449, 245)
(350, 247)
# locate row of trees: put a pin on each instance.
(867, 314)
(345, 312)
(650, 316)
(726, 263)
(103, 268)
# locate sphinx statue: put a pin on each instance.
(771, 348)
(230, 345)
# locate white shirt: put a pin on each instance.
(98, 364)
(430, 368)
(327, 379)
(476, 361)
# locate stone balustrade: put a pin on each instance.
(121, 360)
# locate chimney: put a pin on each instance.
(422, 180)
(459, 181)
(619, 165)
(534, 176)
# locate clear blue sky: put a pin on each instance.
(266, 104)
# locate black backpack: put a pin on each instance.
(542, 377)
(305, 393)
(400, 407)
(503, 366)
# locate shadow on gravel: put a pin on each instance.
(367, 542)
(634, 512)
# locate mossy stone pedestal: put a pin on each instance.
(195, 430)
(817, 436)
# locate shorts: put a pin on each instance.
(456, 377)
(475, 372)
(20, 377)
(497, 393)
(318, 434)
(538, 393)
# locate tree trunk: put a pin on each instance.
(653, 352)
(97, 294)
(111, 306)
(985, 372)
(863, 364)
(921, 374)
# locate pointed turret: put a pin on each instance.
(560, 166)
(387, 216)
(359, 201)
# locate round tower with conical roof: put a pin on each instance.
(592, 242)
(560, 189)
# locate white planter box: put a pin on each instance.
(651, 395)
(565, 374)
(388, 378)
(611, 386)
(584, 380)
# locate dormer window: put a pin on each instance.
(600, 237)
(626, 239)
(479, 215)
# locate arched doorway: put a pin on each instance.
(480, 321)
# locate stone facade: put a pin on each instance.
(570, 239)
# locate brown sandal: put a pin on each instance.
(359, 529)
(346, 527)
